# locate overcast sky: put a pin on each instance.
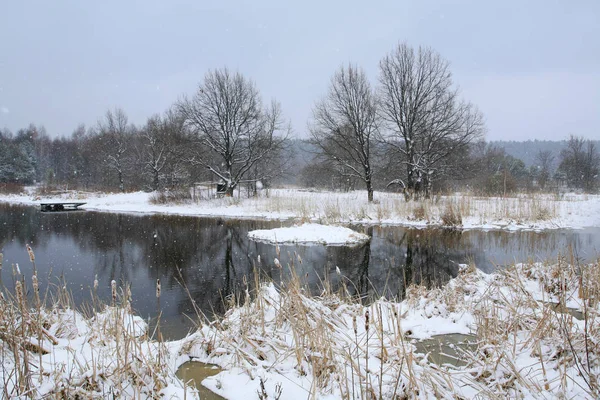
(532, 67)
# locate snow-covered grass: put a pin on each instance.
(533, 212)
(331, 347)
(49, 350)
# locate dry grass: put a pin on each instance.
(11, 188)
(443, 210)
(451, 216)
(331, 344)
(420, 213)
(179, 196)
(48, 350)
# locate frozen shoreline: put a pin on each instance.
(539, 212)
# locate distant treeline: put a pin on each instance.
(85, 160)
(410, 132)
(528, 150)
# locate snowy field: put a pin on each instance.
(535, 212)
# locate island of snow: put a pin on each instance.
(310, 233)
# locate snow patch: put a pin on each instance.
(310, 233)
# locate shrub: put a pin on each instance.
(176, 196)
(420, 213)
(11, 188)
(451, 216)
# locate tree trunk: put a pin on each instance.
(155, 180)
(411, 184)
(368, 178)
(369, 189)
(428, 186)
(121, 183)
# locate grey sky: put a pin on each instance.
(532, 67)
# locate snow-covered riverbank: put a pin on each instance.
(59, 353)
(331, 348)
(536, 212)
(328, 347)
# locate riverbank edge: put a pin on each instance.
(460, 211)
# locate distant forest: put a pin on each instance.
(527, 151)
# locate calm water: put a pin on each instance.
(213, 258)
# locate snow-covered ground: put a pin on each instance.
(63, 354)
(330, 348)
(310, 233)
(536, 212)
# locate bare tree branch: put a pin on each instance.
(344, 124)
(425, 119)
(235, 132)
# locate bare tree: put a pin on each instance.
(160, 147)
(153, 150)
(344, 125)
(498, 173)
(580, 164)
(425, 119)
(115, 133)
(545, 162)
(235, 132)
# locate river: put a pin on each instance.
(204, 261)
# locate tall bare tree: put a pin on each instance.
(115, 134)
(234, 130)
(344, 125)
(160, 147)
(545, 161)
(580, 164)
(426, 120)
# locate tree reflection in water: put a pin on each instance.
(213, 258)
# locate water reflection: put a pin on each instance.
(212, 258)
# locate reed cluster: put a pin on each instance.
(529, 342)
(50, 350)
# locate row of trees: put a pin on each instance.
(156, 158)
(112, 155)
(223, 132)
(487, 170)
(577, 166)
(414, 130)
(410, 131)
(414, 117)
